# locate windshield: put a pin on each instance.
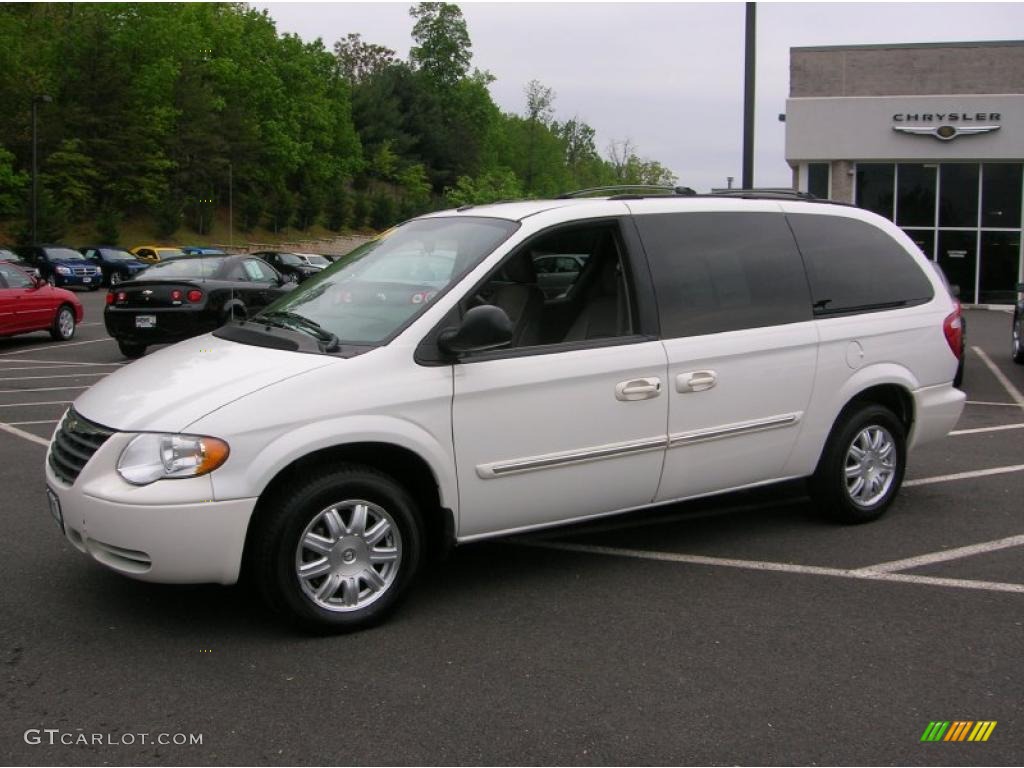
(190, 267)
(63, 254)
(315, 260)
(166, 253)
(113, 254)
(374, 291)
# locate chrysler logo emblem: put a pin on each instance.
(945, 132)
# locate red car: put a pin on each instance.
(28, 303)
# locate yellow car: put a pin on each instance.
(151, 254)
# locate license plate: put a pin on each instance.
(54, 503)
(145, 321)
(86, 279)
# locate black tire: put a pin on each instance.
(133, 351)
(287, 517)
(829, 485)
(63, 326)
(1017, 349)
(94, 288)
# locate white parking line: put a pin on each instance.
(53, 376)
(979, 430)
(62, 345)
(983, 402)
(1014, 393)
(23, 434)
(27, 423)
(964, 475)
(39, 389)
(947, 554)
(764, 565)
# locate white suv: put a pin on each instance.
(376, 414)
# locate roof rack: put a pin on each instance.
(631, 190)
(769, 193)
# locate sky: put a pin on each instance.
(667, 76)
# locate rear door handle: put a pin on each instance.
(696, 381)
(638, 389)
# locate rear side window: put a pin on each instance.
(726, 271)
(854, 266)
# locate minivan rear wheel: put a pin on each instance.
(338, 552)
(862, 468)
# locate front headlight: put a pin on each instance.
(152, 457)
(62, 270)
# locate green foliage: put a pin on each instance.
(13, 185)
(168, 215)
(382, 211)
(338, 207)
(360, 210)
(108, 222)
(490, 187)
(157, 105)
(442, 48)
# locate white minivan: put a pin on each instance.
(425, 390)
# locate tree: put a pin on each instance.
(491, 187)
(629, 168)
(442, 48)
(539, 110)
(71, 178)
(12, 185)
(359, 61)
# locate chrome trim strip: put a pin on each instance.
(566, 458)
(733, 430)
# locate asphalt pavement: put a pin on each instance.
(738, 630)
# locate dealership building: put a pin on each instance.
(930, 136)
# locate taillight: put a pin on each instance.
(175, 295)
(195, 296)
(121, 296)
(953, 329)
(110, 298)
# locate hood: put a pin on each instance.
(73, 263)
(169, 389)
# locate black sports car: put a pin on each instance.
(290, 264)
(181, 298)
(117, 264)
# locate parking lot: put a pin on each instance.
(742, 629)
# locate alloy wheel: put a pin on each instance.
(348, 556)
(870, 465)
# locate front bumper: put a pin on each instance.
(80, 281)
(172, 531)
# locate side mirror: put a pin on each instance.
(37, 281)
(484, 327)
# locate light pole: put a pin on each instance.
(748, 95)
(36, 101)
(231, 206)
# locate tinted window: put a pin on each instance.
(188, 267)
(853, 265)
(115, 254)
(915, 204)
(958, 195)
(875, 186)
(1000, 194)
(718, 272)
(817, 179)
(259, 272)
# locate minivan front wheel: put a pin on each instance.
(862, 468)
(338, 553)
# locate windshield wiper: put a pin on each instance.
(330, 340)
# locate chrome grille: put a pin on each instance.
(75, 442)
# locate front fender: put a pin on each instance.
(252, 472)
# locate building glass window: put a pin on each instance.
(1000, 266)
(958, 195)
(923, 239)
(874, 187)
(1001, 195)
(915, 195)
(956, 256)
(817, 180)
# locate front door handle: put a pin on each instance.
(638, 389)
(696, 381)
